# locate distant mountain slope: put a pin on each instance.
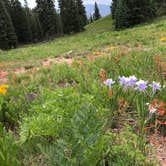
(104, 9)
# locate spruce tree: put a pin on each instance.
(81, 14)
(20, 22)
(47, 16)
(36, 28)
(113, 8)
(121, 14)
(68, 12)
(8, 37)
(91, 19)
(96, 14)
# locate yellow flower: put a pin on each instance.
(163, 39)
(112, 48)
(3, 88)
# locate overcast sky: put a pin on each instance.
(32, 2)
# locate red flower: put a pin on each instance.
(160, 112)
(102, 75)
(110, 93)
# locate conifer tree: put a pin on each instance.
(113, 8)
(91, 19)
(68, 12)
(96, 14)
(121, 14)
(81, 14)
(8, 37)
(20, 22)
(47, 16)
(36, 28)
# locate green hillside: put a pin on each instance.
(101, 103)
(97, 35)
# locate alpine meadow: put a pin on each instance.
(79, 89)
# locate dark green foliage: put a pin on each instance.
(47, 16)
(73, 15)
(91, 19)
(81, 14)
(20, 22)
(113, 8)
(96, 14)
(161, 7)
(132, 12)
(36, 28)
(8, 37)
(121, 15)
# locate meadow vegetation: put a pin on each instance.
(88, 113)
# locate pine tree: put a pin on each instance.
(8, 37)
(81, 14)
(47, 16)
(20, 22)
(96, 14)
(121, 14)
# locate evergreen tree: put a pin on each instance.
(131, 12)
(96, 14)
(20, 22)
(68, 12)
(121, 14)
(81, 14)
(91, 19)
(8, 37)
(47, 16)
(36, 28)
(161, 7)
(59, 25)
(113, 8)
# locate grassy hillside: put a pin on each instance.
(106, 107)
(97, 35)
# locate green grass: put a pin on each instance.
(63, 115)
(97, 35)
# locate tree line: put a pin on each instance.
(127, 13)
(20, 24)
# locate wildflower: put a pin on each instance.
(128, 81)
(102, 75)
(123, 80)
(148, 127)
(141, 85)
(110, 93)
(112, 48)
(109, 82)
(161, 112)
(3, 88)
(163, 39)
(155, 86)
(131, 81)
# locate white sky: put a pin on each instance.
(32, 3)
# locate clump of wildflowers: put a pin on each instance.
(127, 81)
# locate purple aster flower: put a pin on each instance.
(109, 82)
(141, 85)
(127, 81)
(155, 86)
(122, 80)
(131, 81)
